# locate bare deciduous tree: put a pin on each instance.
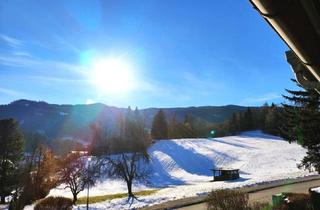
(129, 167)
(73, 174)
(126, 156)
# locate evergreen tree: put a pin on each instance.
(301, 124)
(190, 126)
(233, 124)
(248, 122)
(134, 133)
(159, 128)
(99, 139)
(292, 114)
(262, 116)
(172, 127)
(272, 120)
(178, 130)
(11, 148)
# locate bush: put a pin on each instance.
(296, 201)
(227, 199)
(260, 206)
(233, 200)
(54, 203)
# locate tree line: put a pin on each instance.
(190, 127)
(265, 118)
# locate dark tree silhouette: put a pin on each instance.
(159, 128)
(11, 148)
(73, 173)
(42, 168)
(300, 123)
(248, 122)
(37, 174)
(129, 167)
(233, 124)
(126, 157)
(272, 120)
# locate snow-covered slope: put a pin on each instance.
(182, 167)
(259, 157)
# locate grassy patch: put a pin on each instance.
(100, 198)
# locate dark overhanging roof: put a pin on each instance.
(297, 22)
(224, 169)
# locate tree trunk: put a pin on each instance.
(129, 186)
(3, 199)
(75, 198)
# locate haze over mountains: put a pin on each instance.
(73, 121)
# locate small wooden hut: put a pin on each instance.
(222, 174)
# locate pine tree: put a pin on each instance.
(190, 126)
(248, 120)
(272, 120)
(11, 151)
(99, 139)
(159, 128)
(172, 127)
(301, 124)
(233, 124)
(292, 114)
(132, 135)
(262, 116)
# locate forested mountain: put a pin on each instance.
(73, 121)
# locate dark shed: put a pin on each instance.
(225, 174)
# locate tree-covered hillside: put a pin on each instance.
(73, 121)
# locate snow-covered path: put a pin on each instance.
(181, 168)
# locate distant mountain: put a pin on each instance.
(73, 121)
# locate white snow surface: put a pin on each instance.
(316, 189)
(181, 168)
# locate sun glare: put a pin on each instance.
(112, 76)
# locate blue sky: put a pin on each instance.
(179, 52)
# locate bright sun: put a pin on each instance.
(112, 76)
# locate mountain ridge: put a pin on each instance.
(60, 120)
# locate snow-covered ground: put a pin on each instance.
(181, 168)
(4, 206)
(316, 189)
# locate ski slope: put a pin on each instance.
(181, 168)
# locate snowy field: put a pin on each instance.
(181, 168)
